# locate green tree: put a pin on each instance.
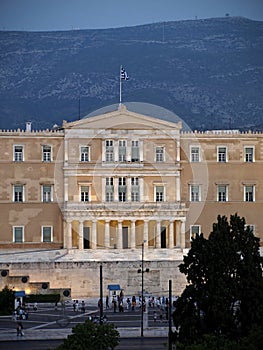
(93, 336)
(224, 295)
(7, 298)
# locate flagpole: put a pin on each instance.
(120, 84)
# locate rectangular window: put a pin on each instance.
(47, 234)
(249, 193)
(18, 153)
(135, 151)
(122, 151)
(18, 193)
(222, 193)
(194, 230)
(195, 154)
(135, 189)
(159, 154)
(159, 193)
(122, 189)
(249, 154)
(109, 151)
(18, 234)
(84, 193)
(84, 154)
(46, 193)
(109, 190)
(222, 154)
(46, 153)
(195, 193)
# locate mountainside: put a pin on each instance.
(209, 72)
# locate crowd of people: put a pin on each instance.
(119, 303)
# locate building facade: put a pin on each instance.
(105, 189)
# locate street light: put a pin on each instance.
(142, 272)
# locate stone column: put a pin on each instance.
(178, 230)
(107, 234)
(94, 235)
(68, 234)
(103, 193)
(81, 242)
(119, 235)
(158, 235)
(103, 157)
(171, 235)
(116, 186)
(128, 180)
(115, 151)
(133, 243)
(66, 190)
(141, 189)
(145, 234)
(178, 188)
(65, 242)
(178, 150)
(128, 151)
(141, 150)
(182, 234)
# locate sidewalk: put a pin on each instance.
(62, 333)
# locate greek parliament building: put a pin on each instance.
(114, 189)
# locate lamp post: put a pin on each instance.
(101, 296)
(142, 289)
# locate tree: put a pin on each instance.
(224, 295)
(91, 335)
(7, 298)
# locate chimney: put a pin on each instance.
(28, 126)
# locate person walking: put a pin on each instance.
(107, 302)
(19, 329)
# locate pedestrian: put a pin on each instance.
(83, 306)
(35, 306)
(133, 303)
(121, 308)
(107, 302)
(74, 305)
(155, 316)
(128, 301)
(19, 329)
(77, 305)
(161, 315)
(114, 305)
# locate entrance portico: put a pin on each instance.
(114, 231)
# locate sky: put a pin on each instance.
(41, 15)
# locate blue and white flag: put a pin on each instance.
(124, 75)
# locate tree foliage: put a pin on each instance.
(224, 295)
(7, 298)
(91, 335)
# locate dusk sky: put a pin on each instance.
(34, 15)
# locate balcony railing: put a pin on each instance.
(123, 206)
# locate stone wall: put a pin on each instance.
(83, 278)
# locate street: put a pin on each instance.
(125, 344)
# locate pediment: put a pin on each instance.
(122, 119)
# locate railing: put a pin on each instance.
(123, 206)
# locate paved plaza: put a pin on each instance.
(50, 323)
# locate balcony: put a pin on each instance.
(134, 208)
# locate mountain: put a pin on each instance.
(209, 72)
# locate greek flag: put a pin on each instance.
(124, 75)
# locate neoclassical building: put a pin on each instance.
(101, 189)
